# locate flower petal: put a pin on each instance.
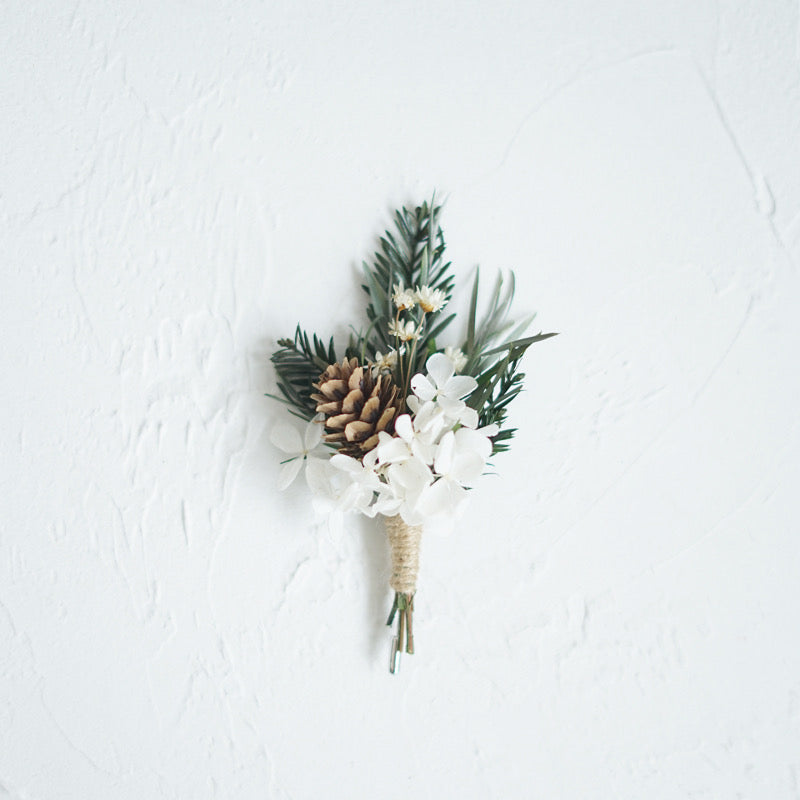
(430, 420)
(422, 387)
(393, 451)
(424, 451)
(443, 498)
(345, 463)
(459, 385)
(370, 460)
(468, 440)
(318, 476)
(467, 468)
(289, 472)
(411, 514)
(387, 504)
(287, 438)
(468, 417)
(403, 427)
(409, 477)
(312, 436)
(440, 368)
(444, 455)
(451, 407)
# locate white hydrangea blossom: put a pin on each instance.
(299, 449)
(424, 470)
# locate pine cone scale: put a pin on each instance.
(371, 409)
(339, 422)
(357, 404)
(356, 431)
(352, 401)
(384, 419)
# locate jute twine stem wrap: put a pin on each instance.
(404, 542)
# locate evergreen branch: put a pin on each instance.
(299, 362)
(497, 387)
(410, 256)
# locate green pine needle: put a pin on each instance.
(299, 362)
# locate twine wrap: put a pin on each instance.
(404, 541)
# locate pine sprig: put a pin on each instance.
(498, 387)
(299, 362)
(411, 256)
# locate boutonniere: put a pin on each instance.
(397, 424)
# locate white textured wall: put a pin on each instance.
(617, 616)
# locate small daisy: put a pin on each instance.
(404, 299)
(430, 299)
(404, 331)
(386, 363)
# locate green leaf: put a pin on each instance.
(473, 304)
(525, 343)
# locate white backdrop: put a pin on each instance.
(616, 616)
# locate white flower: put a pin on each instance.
(361, 484)
(404, 299)
(430, 419)
(299, 449)
(445, 383)
(430, 299)
(456, 355)
(391, 449)
(460, 460)
(407, 443)
(386, 362)
(405, 331)
(446, 389)
(406, 482)
(445, 498)
(327, 484)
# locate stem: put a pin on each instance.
(401, 629)
(397, 347)
(393, 611)
(413, 352)
(403, 640)
(404, 542)
(410, 633)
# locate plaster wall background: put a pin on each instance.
(181, 183)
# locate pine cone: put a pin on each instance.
(356, 405)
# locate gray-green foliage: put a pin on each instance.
(494, 348)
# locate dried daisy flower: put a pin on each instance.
(404, 299)
(404, 331)
(430, 300)
(386, 363)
